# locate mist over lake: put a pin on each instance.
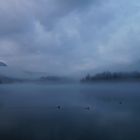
(69, 69)
(70, 111)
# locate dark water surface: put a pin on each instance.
(70, 112)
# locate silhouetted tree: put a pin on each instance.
(113, 76)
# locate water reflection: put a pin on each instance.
(70, 112)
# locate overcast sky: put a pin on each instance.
(70, 36)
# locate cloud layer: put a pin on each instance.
(70, 36)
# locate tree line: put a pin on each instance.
(108, 76)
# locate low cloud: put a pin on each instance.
(70, 36)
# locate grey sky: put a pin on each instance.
(70, 36)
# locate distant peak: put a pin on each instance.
(3, 64)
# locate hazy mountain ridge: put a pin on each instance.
(2, 64)
(9, 74)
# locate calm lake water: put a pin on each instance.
(70, 112)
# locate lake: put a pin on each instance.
(99, 111)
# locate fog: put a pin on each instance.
(69, 69)
(70, 37)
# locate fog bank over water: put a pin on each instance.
(69, 69)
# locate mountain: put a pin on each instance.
(11, 74)
(8, 80)
(17, 72)
(2, 64)
(56, 79)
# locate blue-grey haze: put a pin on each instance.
(70, 36)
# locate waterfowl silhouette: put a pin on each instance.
(120, 102)
(87, 108)
(58, 107)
